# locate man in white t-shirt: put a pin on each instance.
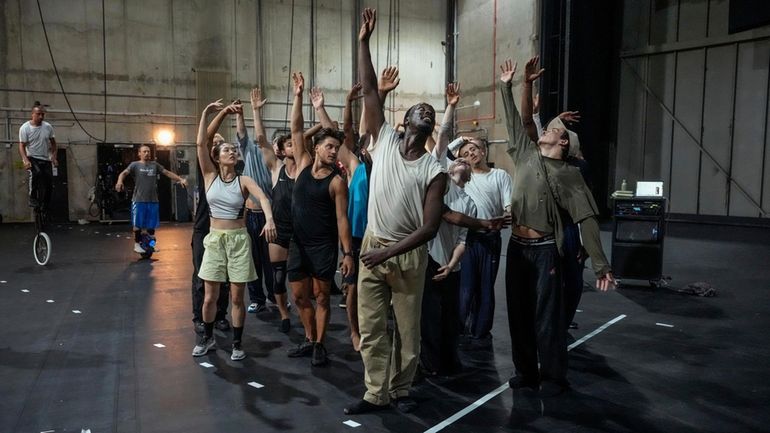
(404, 213)
(490, 190)
(37, 147)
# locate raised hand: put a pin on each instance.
(256, 98)
(317, 97)
(368, 19)
(507, 71)
(235, 107)
(388, 79)
(570, 116)
(299, 83)
(532, 71)
(452, 93)
(353, 94)
(214, 106)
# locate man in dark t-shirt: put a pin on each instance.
(144, 202)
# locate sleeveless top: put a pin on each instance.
(358, 197)
(282, 195)
(225, 198)
(312, 210)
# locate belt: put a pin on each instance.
(254, 210)
(545, 240)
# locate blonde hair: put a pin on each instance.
(461, 162)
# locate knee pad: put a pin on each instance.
(279, 277)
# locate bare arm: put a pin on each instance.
(452, 98)
(374, 116)
(175, 177)
(444, 271)
(251, 188)
(23, 153)
(462, 220)
(317, 98)
(432, 209)
(531, 73)
(339, 193)
(297, 123)
(121, 179)
(206, 134)
(347, 116)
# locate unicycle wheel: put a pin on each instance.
(41, 248)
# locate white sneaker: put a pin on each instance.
(138, 248)
(238, 353)
(204, 345)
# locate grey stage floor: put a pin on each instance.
(660, 361)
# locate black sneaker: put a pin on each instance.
(222, 325)
(405, 404)
(285, 326)
(319, 355)
(303, 349)
(362, 406)
(518, 382)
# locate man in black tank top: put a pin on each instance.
(319, 217)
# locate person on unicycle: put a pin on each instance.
(144, 202)
(37, 147)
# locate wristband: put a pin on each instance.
(347, 253)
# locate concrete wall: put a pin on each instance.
(154, 47)
(678, 57)
(490, 31)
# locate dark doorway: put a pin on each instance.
(116, 206)
(59, 209)
(580, 51)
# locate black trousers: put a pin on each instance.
(40, 183)
(255, 222)
(534, 294)
(198, 290)
(439, 326)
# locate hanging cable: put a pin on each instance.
(291, 50)
(104, 67)
(58, 77)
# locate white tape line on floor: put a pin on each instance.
(256, 385)
(351, 423)
(478, 403)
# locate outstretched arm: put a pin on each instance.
(531, 73)
(518, 139)
(347, 116)
(372, 103)
(175, 177)
(268, 154)
(589, 229)
(317, 98)
(206, 134)
(462, 220)
(432, 208)
(444, 133)
(298, 122)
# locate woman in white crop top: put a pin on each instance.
(227, 255)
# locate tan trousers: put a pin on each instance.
(390, 362)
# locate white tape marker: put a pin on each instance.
(206, 365)
(256, 385)
(351, 423)
(76, 311)
(3, 281)
(50, 301)
(25, 290)
(665, 325)
(158, 345)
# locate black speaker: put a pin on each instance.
(637, 238)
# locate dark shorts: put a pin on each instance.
(319, 262)
(285, 232)
(353, 278)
